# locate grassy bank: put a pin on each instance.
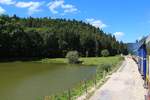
(86, 61)
(100, 60)
(105, 65)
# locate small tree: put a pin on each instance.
(73, 57)
(105, 53)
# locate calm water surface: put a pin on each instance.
(29, 81)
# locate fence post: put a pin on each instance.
(95, 81)
(47, 97)
(69, 94)
(85, 87)
(104, 72)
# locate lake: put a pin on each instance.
(31, 80)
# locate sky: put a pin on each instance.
(128, 20)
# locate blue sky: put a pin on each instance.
(128, 20)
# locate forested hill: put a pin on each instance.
(46, 37)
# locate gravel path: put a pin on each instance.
(125, 84)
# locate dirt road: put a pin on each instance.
(125, 84)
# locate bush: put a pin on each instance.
(105, 53)
(73, 57)
(104, 67)
(121, 58)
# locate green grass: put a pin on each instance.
(105, 65)
(54, 60)
(86, 61)
(100, 60)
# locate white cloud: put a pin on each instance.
(7, 2)
(118, 35)
(2, 11)
(33, 7)
(67, 8)
(54, 5)
(96, 23)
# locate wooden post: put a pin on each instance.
(95, 81)
(69, 94)
(104, 72)
(85, 87)
(47, 98)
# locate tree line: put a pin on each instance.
(47, 37)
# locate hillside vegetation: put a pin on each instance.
(46, 37)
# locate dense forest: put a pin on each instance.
(47, 37)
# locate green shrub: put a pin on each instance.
(121, 58)
(105, 53)
(104, 67)
(73, 57)
(107, 67)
